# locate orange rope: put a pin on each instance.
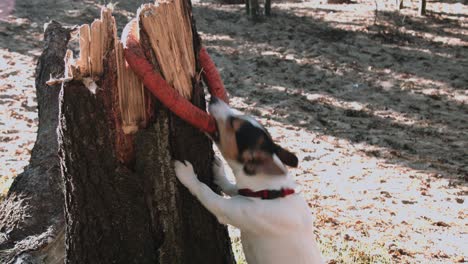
(211, 76)
(154, 82)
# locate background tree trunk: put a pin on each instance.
(31, 217)
(422, 8)
(267, 7)
(232, 2)
(338, 1)
(254, 9)
(399, 4)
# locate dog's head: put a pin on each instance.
(245, 142)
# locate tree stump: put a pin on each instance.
(123, 201)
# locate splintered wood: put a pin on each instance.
(168, 26)
(83, 61)
(97, 43)
(170, 32)
(131, 95)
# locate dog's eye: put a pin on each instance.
(249, 169)
(215, 135)
(231, 121)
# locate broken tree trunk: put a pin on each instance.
(31, 217)
(188, 233)
(106, 215)
(107, 220)
(123, 201)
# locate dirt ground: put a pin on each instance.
(373, 103)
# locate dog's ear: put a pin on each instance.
(286, 156)
(262, 162)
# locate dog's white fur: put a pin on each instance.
(272, 231)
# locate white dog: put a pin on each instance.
(275, 223)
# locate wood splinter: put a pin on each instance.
(174, 53)
(97, 41)
(172, 80)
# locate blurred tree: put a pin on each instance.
(254, 10)
(232, 2)
(421, 6)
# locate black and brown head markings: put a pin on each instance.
(243, 139)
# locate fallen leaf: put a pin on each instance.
(441, 223)
(408, 202)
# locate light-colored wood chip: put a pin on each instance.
(83, 61)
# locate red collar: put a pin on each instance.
(266, 194)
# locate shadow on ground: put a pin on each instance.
(386, 85)
(383, 86)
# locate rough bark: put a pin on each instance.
(106, 216)
(31, 217)
(184, 230)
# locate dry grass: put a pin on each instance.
(341, 250)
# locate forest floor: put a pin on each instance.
(373, 103)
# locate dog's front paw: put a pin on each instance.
(185, 174)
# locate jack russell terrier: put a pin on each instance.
(275, 222)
